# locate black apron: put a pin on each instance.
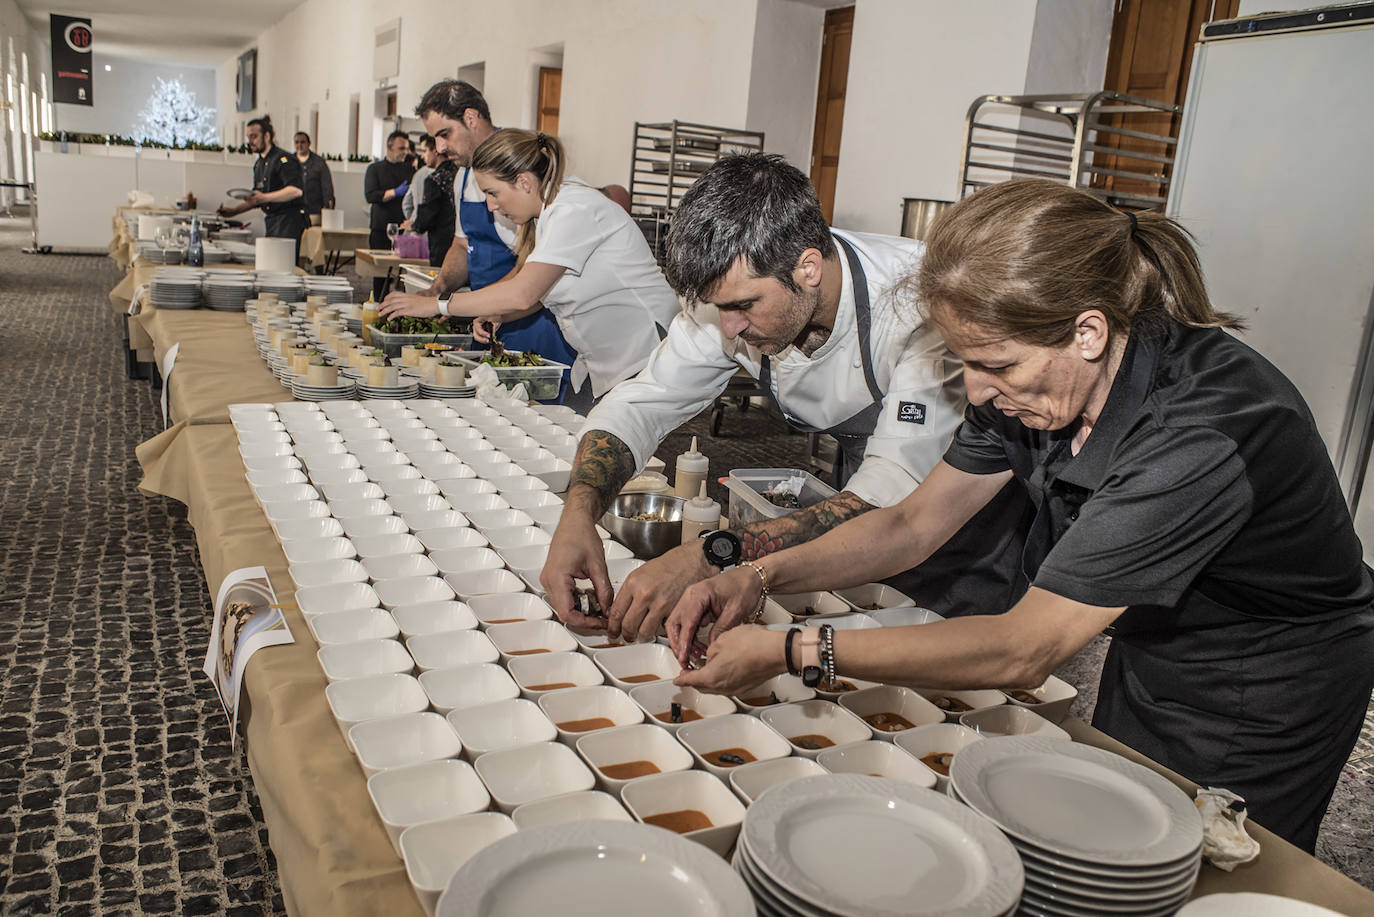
(978, 570)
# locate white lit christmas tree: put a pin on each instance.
(171, 116)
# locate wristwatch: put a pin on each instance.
(443, 306)
(722, 548)
(810, 674)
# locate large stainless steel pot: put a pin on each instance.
(919, 214)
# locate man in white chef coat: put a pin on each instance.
(822, 320)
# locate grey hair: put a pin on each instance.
(755, 206)
(450, 98)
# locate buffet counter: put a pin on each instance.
(323, 249)
(333, 854)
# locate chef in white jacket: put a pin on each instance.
(821, 319)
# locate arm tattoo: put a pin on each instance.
(604, 464)
(767, 536)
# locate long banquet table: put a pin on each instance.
(333, 856)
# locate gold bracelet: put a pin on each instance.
(763, 595)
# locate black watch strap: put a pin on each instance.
(787, 650)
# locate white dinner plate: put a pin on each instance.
(595, 869)
(1246, 904)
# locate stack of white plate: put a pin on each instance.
(288, 287)
(873, 847)
(1097, 833)
(226, 293)
(335, 289)
(240, 236)
(602, 868)
(303, 392)
(215, 255)
(175, 290)
(428, 390)
(405, 391)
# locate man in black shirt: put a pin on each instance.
(277, 185)
(384, 185)
(318, 182)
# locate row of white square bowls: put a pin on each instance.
(363, 580)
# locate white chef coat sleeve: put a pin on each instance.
(924, 405)
(568, 234)
(685, 373)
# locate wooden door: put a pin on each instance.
(550, 89)
(1151, 55)
(825, 137)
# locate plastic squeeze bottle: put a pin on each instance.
(701, 514)
(691, 472)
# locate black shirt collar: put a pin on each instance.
(1129, 390)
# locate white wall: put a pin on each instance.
(782, 80)
(121, 93)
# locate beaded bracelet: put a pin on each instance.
(827, 653)
(753, 617)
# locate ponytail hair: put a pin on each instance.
(1023, 258)
(507, 153)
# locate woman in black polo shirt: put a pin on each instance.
(1184, 499)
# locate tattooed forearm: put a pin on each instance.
(604, 464)
(767, 536)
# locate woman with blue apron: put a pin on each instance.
(978, 571)
(488, 261)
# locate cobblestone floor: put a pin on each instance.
(118, 791)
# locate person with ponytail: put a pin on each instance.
(1185, 503)
(578, 254)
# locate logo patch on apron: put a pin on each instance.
(911, 412)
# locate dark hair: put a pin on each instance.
(264, 124)
(426, 140)
(756, 206)
(1022, 259)
(450, 98)
(394, 134)
(303, 134)
(509, 152)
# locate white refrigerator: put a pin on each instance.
(1275, 177)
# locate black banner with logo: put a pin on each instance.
(71, 60)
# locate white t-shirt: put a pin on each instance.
(911, 365)
(612, 298)
(505, 229)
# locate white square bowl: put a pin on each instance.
(510, 608)
(352, 625)
(450, 649)
(852, 621)
(399, 566)
(358, 490)
(689, 790)
(477, 502)
(310, 550)
(936, 739)
(545, 673)
(387, 544)
(295, 509)
(510, 482)
(362, 527)
(641, 744)
(657, 699)
(427, 792)
(587, 805)
(284, 493)
(448, 539)
(409, 488)
(735, 730)
(433, 618)
(905, 617)
(888, 700)
(1009, 720)
(357, 700)
(347, 474)
(821, 603)
(873, 597)
(348, 509)
(363, 658)
(465, 560)
(491, 519)
(484, 582)
(628, 667)
(435, 850)
(749, 781)
(402, 741)
(275, 477)
(529, 638)
(784, 689)
(467, 686)
(319, 527)
(515, 776)
(534, 499)
(578, 711)
(503, 724)
(327, 572)
(815, 725)
(882, 759)
(954, 704)
(336, 597)
(412, 590)
(1052, 699)
(435, 519)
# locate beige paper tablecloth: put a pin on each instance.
(317, 243)
(333, 854)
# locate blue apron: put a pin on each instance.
(488, 261)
